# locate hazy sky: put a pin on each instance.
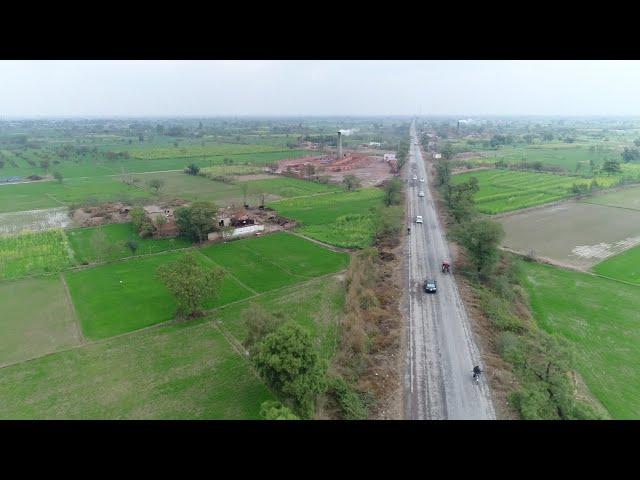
(210, 88)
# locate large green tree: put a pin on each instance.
(190, 282)
(290, 364)
(480, 238)
(274, 410)
(392, 192)
(197, 220)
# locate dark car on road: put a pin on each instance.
(430, 286)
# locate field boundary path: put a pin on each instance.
(325, 245)
(74, 313)
(442, 351)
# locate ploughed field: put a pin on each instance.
(579, 234)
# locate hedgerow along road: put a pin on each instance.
(442, 351)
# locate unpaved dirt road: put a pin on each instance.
(442, 352)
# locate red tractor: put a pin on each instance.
(446, 268)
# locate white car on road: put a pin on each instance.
(418, 218)
(421, 194)
(422, 179)
(415, 177)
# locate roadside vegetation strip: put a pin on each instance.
(36, 317)
(177, 371)
(600, 319)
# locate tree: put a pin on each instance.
(392, 191)
(460, 199)
(291, 366)
(132, 245)
(140, 137)
(58, 176)
(636, 142)
(44, 164)
(156, 184)
(611, 167)
(192, 169)
(190, 282)
(274, 410)
(447, 151)
(480, 238)
(351, 182)
(197, 220)
(630, 155)
(142, 224)
(258, 323)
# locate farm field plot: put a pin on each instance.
(177, 371)
(153, 152)
(289, 187)
(341, 219)
(575, 234)
(37, 319)
(625, 198)
(600, 319)
(40, 195)
(316, 305)
(116, 236)
(566, 156)
(624, 266)
(507, 190)
(124, 296)
(34, 220)
(275, 261)
(34, 253)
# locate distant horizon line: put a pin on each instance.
(395, 115)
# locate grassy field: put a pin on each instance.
(624, 266)
(37, 319)
(82, 241)
(341, 219)
(507, 190)
(276, 260)
(34, 253)
(215, 149)
(600, 319)
(124, 296)
(317, 306)
(178, 371)
(39, 195)
(575, 233)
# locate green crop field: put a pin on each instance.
(507, 190)
(34, 253)
(317, 306)
(600, 319)
(123, 296)
(341, 219)
(289, 187)
(38, 195)
(154, 152)
(83, 241)
(36, 318)
(624, 266)
(274, 261)
(177, 371)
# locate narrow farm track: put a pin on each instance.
(442, 352)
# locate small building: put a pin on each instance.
(389, 156)
(437, 155)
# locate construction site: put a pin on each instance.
(371, 169)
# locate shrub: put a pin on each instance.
(352, 404)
